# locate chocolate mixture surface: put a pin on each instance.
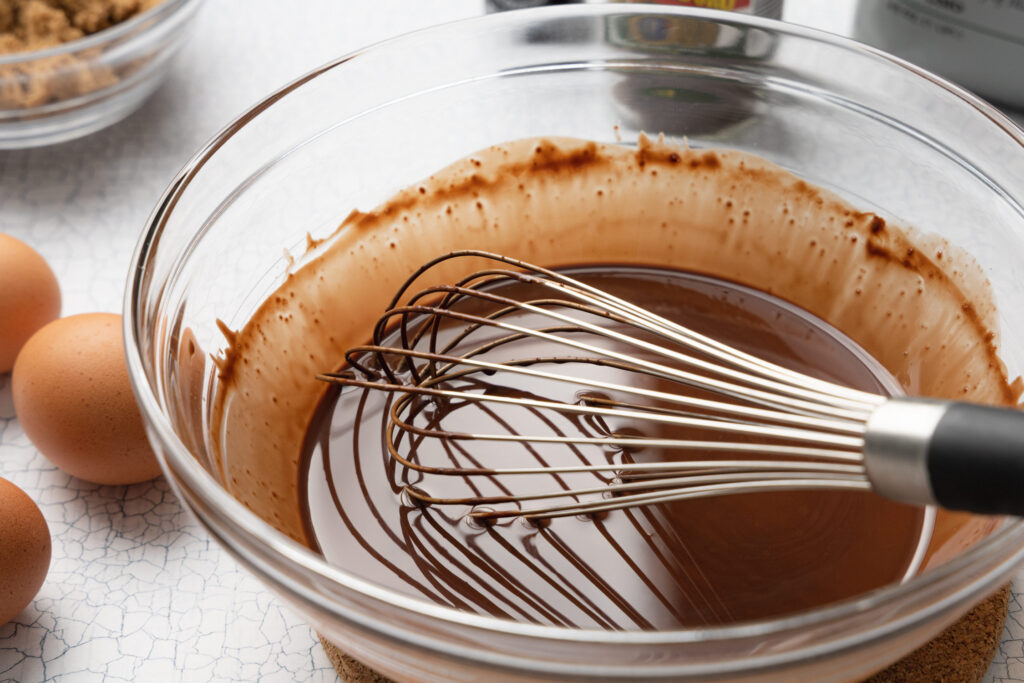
(682, 564)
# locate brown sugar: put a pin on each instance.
(32, 25)
(28, 25)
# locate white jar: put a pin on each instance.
(977, 43)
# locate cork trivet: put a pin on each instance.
(351, 670)
(960, 654)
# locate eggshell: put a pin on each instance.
(29, 297)
(24, 550)
(74, 401)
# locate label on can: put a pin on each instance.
(763, 8)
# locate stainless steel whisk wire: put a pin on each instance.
(794, 401)
(814, 430)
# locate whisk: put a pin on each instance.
(743, 424)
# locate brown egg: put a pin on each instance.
(29, 297)
(75, 403)
(24, 550)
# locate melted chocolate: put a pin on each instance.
(682, 564)
(922, 307)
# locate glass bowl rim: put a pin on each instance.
(275, 545)
(111, 34)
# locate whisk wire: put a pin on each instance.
(708, 472)
(743, 486)
(672, 330)
(453, 339)
(768, 391)
(848, 422)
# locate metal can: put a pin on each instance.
(502, 5)
(762, 8)
(677, 104)
(978, 43)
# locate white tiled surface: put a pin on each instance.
(137, 591)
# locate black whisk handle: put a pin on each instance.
(959, 456)
(976, 460)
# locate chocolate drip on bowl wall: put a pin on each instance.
(919, 306)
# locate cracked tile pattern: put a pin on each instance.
(1008, 664)
(137, 591)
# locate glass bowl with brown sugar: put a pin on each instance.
(71, 67)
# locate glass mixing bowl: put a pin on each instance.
(64, 92)
(881, 133)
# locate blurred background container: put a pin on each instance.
(977, 43)
(763, 8)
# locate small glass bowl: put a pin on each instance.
(67, 91)
(883, 134)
